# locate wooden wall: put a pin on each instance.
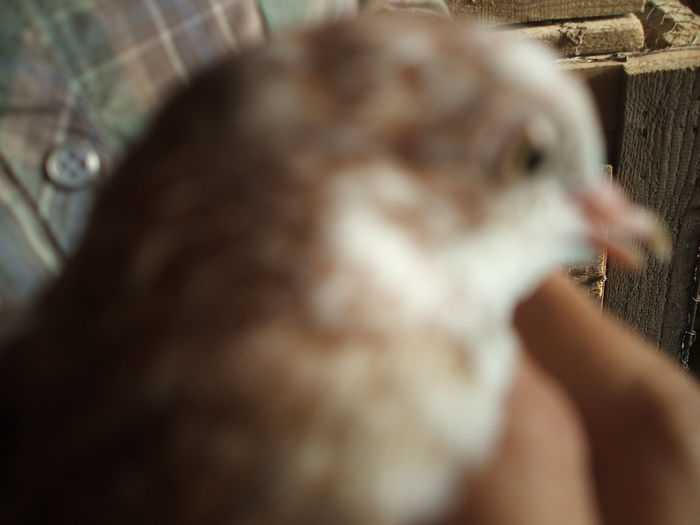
(642, 61)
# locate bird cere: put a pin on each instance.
(293, 302)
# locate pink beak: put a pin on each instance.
(623, 228)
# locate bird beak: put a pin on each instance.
(623, 228)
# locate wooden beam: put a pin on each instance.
(669, 23)
(598, 36)
(660, 167)
(518, 11)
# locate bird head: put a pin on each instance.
(472, 143)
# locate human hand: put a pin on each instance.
(600, 426)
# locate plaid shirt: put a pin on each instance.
(88, 73)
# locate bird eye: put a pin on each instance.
(524, 160)
(529, 149)
(532, 160)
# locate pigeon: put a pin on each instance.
(293, 301)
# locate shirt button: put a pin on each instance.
(73, 165)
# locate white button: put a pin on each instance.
(73, 165)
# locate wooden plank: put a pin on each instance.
(596, 36)
(518, 11)
(592, 276)
(605, 79)
(669, 23)
(660, 167)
